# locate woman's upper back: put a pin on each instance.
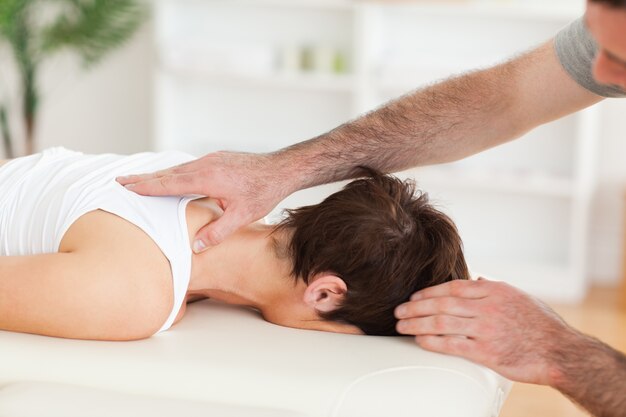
(43, 195)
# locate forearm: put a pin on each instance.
(441, 123)
(592, 374)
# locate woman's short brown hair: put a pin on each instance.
(383, 238)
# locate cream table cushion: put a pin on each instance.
(223, 356)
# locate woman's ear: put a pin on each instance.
(325, 293)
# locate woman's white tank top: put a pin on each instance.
(41, 195)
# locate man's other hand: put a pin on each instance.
(490, 323)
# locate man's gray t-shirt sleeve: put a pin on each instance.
(576, 49)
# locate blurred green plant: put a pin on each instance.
(37, 29)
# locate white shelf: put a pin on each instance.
(496, 181)
(508, 9)
(342, 83)
(517, 9)
(302, 4)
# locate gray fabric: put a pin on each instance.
(576, 50)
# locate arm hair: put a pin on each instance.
(592, 374)
(443, 122)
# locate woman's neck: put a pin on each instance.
(241, 270)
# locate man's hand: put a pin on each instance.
(488, 322)
(245, 185)
(516, 335)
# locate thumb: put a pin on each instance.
(216, 232)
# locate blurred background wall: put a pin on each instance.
(607, 237)
(112, 109)
(106, 109)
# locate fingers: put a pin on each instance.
(437, 325)
(217, 231)
(176, 170)
(451, 345)
(456, 288)
(441, 305)
(171, 184)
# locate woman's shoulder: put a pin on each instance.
(121, 248)
(121, 268)
(100, 229)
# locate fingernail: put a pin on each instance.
(129, 186)
(416, 296)
(400, 311)
(199, 246)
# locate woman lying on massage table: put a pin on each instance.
(82, 257)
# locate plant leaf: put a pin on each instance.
(10, 11)
(92, 28)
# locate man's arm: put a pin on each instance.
(499, 326)
(444, 122)
(592, 374)
(440, 123)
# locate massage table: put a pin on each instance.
(226, 361)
